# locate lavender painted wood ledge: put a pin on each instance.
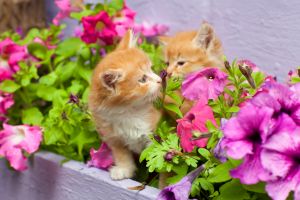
(47, 179)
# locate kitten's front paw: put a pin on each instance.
(118, 172)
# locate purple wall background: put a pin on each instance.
(266, 32)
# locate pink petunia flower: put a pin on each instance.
(101, 158)
(97, 27)
(194, 122)
(13, 53)
(149, 30)
(6, 101)
(205, 84)
(15, 139)
(5, 71)
(66, 7)
(281, 157)
(123, 20)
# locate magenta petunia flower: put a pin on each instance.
(5, 71)
(15, 139)
(280, 98)
(243, 137)
(66, 7)
(123, 20)
(180, 190)
(101, 158)
(13, 53)
(46, 43)
(6, 101)
(193, 123)
(281, 156)
(205, 84)
(97, 27)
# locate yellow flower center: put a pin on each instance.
(100, 26)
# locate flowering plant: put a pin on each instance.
(238, 140)
(45, 78)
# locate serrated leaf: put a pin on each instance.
(206, 185)
(32, 116)
(9, 86)
(175, 97)
(174, 108)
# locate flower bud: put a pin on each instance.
(163, 75)
(169, 156)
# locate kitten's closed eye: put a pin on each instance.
(167, 63)
(143, 79)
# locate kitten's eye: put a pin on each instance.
(167, 63)
(180, 63)
(143, 79)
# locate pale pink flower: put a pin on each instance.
(149, 30)
(15, 139)
(66, 7)
(124, 20)
(101, 158)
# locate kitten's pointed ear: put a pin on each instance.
(164, 40)
(205, 36)
(129, 40)
(110, 78)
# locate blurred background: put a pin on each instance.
(265, 32)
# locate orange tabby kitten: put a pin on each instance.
(187, 52)
(122, 92)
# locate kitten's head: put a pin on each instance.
(187, 52)
(124, 77)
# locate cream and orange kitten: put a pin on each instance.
(190, 51)
(121, 100)
(186, 52)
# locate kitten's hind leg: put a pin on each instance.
(124, 162)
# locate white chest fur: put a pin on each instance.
(133, 126)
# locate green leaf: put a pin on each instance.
(205, 153)
(233, 109)
(206, 185)
(45, 92)
(48, 79)
(180, 170)
(175, 97)
(84, 13)
(32, 116)
(37, 50)
(233, 190)
(220, 173)
(9, 86)
(174, 108)
(65, 71)
(69, 47)
(116, 4)
(258, 188)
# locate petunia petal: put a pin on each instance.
(275, 162)
(251, 170)
(237, 149)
